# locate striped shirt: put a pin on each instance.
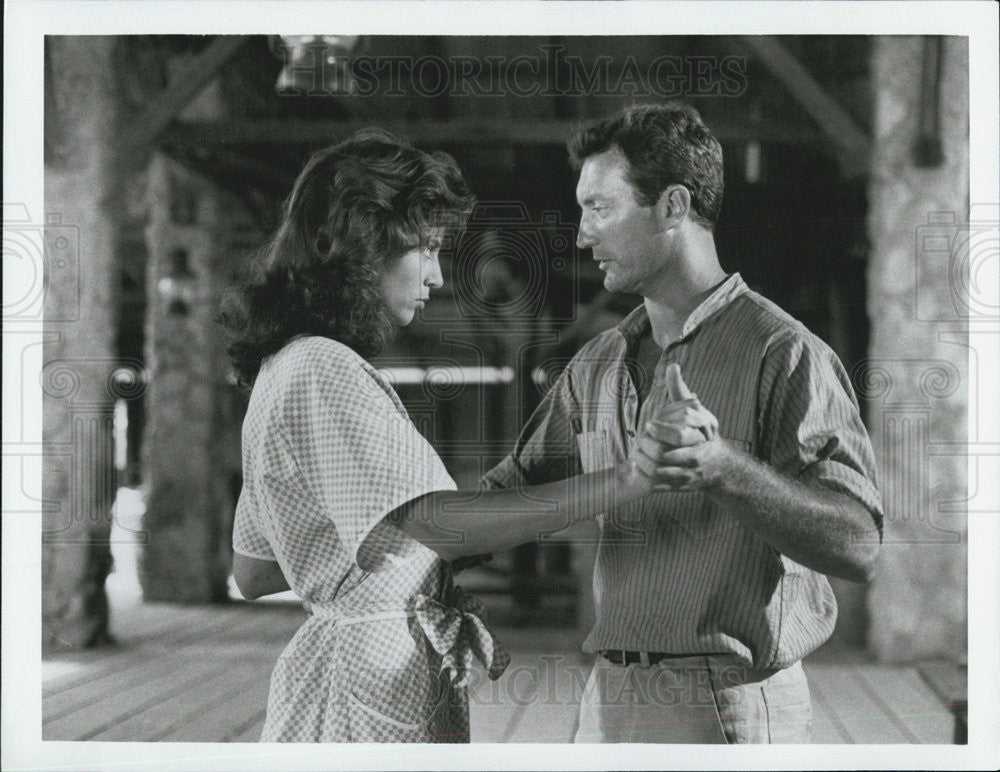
(676, 572)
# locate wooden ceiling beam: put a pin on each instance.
(461, 131)
(142, 133)
(835, 122)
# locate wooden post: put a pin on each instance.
(916, 379)
(82, 175)
(185, 558)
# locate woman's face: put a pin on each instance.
(407, 280)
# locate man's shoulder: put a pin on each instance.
(771, 321)
(784, 338)
(603, 349)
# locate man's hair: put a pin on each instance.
(665, 145)
(354, 207)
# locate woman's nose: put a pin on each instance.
(432, 276)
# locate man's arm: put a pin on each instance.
(825, 530)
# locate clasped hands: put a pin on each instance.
(680, 448)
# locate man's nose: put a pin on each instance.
(584, 237)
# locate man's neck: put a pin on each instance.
(669, 305)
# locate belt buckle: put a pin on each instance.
(644, 658)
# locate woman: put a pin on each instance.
(341, 492)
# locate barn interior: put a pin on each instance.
(167, 159)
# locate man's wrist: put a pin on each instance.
(732, 468)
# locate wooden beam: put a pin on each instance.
(144, 131)
(853, 143)
(462, 131)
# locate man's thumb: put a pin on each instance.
(676, 388)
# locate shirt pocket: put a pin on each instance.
(597, 454)
(595, 450)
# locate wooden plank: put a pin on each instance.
(550, 715)
(862, 717)
(252, 732)
(948, 681)
(114, 674)
(172, 713)
(137, 656)
(119, 669)
(826, 727)
(95, 717)
(912, 706)
(491, 717)
(159, 622)
(225, 720)
(148, 619)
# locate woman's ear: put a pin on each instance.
(674, 205)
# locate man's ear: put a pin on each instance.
(674, 205)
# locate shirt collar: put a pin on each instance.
(637, 322)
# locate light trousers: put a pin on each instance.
(701, 699)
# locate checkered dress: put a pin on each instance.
(328, 451)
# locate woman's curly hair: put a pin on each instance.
(354, 207)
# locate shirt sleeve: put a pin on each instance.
(546, 449)
(248, 537)
(360, 454)
(810, 425)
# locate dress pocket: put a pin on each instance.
(368, 724)
(393, 685)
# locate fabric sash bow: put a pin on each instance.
(457, 633)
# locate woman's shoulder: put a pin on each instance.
(315, 360)
(314, 354)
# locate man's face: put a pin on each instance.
(626, 238)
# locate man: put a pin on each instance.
(708, 593)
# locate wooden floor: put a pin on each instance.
(201, 674)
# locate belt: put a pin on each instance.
(456, 630)
(645, 658)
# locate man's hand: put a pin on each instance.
(681, 421)
(691, 454)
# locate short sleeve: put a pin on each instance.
(545, 444)
(248, 537)
(359, 452)
(810, 425)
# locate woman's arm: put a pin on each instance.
(453, 526)
(256, 577)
